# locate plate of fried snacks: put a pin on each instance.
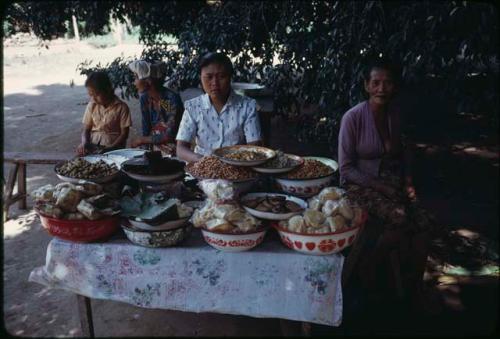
(244, 155)
(272, 206)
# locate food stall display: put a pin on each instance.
(228, 219)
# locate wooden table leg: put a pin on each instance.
(85, 312)
(396, 272)
(306, 329)
(21, 185)
(353, 257)
(290, 328)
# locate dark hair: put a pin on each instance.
(216, 58)
(385, 64)
(156, 83)
(100, 82)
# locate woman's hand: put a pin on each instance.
(81, 150)
(137, 142)
(411, 193)
(388, 190)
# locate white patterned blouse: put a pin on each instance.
(237, 123)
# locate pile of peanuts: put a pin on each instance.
(310, 169)
(211, 167)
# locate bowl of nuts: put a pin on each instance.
(211, 167)
(309, 178)
(97, 169)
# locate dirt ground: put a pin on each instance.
(42, 112)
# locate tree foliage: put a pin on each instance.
(309, 52)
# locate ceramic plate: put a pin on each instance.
(270, 170)
(270, 215)
(223, 151)
(128, 153)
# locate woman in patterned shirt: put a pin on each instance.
(219, 117)
(161, 108)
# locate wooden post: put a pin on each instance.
(85, 312)
(21, 185)
(75, 28)
(8, 189)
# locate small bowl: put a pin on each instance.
(233, 242)
(308, 187)
(157, 238)
(221, 152)
(80, 230)
(271, 215)
(322, 243)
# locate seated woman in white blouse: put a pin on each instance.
(219, 117)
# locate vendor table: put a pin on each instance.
(268, 281)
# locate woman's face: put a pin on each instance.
(99, 98)
(216, 81)
(380, 87)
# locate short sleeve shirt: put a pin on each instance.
(237, 123)
(106, 122)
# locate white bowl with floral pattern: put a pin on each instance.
(234, 242)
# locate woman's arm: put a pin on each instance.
(122, 138)
(407, 159)
(145, 115)
(81, 150)
(184, 152)
(251, 127)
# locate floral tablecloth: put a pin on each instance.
(268, 281)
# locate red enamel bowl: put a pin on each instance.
(320, 243)
(81, 230)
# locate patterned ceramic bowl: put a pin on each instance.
(156, 238)
(231, 242)
(320, 244)
(308, 187)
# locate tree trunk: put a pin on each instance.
(75, 28)
(118, 30)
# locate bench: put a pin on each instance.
(18, 174)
